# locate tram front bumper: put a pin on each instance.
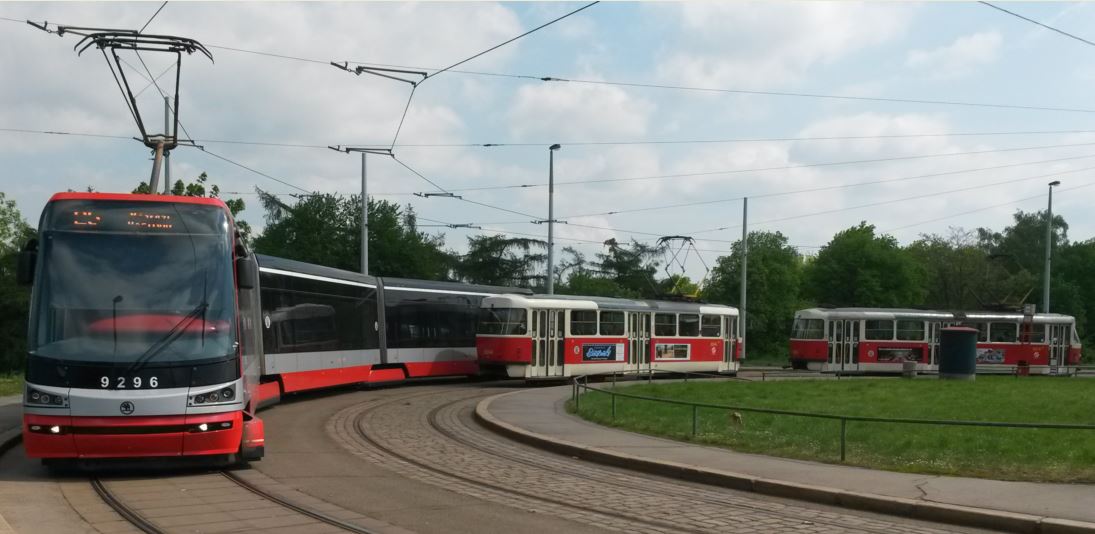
(51, 436)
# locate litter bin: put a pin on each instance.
(958, 353)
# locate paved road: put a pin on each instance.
(413, 459)
(423, 463)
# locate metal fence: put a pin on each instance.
(581, 385)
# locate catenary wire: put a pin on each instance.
(1046, 26)
(152, 17)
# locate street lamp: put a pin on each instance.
(1049, 245)
(551, 219)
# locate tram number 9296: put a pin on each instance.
(134, 382)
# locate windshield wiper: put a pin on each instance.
(173, 334)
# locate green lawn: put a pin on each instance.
(1002, 453)
(11, 384)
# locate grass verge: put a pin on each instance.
(11, 384)
(1000, 453)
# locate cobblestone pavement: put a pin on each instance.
(431, 436)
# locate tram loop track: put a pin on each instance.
(432, 437)
(231, 505)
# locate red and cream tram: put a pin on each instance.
(882, 340)
(154, 332)
(550, 336)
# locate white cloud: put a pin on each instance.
(760, 44)
(959, 58)
(578, 111)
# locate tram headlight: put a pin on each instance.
(48, 400)
(221, 396)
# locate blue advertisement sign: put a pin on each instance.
(598, 352)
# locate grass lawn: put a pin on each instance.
(11, 384)
(1001, 453)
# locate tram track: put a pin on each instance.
(135, 511)
(518, 476)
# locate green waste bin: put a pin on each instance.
(958, 353)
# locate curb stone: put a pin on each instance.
(899, 506)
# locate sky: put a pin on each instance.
(927, 172)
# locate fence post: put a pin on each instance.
(694, 420)
(843, 436)
(613, 395)
(613, 380)
(577, 400)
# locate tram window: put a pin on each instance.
(689, 325)
(315, 316)
(1036, 334)
(665, 324)
(1003, 332)
(982, 330)
(430, 319)
(583, 323)
(503, 321)
(879, 330)
(612, 323)
(711, 326)
(808, 329)
(910, 330)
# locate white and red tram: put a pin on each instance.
(551, 336)
(882, 340)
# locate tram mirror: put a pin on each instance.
(24, 274)
(245, 273)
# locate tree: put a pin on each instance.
(631, 268)
(961, 275)
(325, 229)
(858, 268)
(14, 299)
(774, 280)
(503, 261)
(197, 189)
(1025, 240)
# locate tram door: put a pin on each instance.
(729, 340)
(638, 336)
(843, 342)
(1059, 337)
(547, 343)
(933, 342)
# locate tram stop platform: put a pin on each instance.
(538, 417)
(11, 424)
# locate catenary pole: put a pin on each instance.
(744, 267)
(167, 153)
(1049, 247)
(364, 218)
(551, 220)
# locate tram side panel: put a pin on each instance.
(676, 344)
(431, 332)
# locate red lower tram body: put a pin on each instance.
(537, 337)
(884, 340)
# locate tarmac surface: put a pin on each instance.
(541, 411)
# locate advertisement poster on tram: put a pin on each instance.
(990, 355)
(672, 351)
(898, 355)
(602, 352)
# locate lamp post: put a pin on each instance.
(551, 219)
(1049, 246)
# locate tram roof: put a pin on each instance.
(578, 302)
(890, 313)
(283, 264)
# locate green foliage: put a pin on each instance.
(14, 299)
(326, 229)
(504, 261)
(858, 268)
(1017, 454)
(11, 384)
(774, 279)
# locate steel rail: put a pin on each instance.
(318, 516)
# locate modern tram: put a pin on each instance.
(154, 332)
(882, 340)
(553, 336)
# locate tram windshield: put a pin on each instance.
(133, 282)
(502, 321)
